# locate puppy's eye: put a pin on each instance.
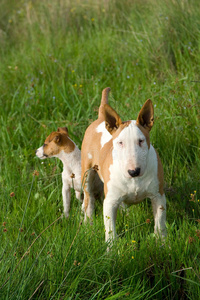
(44, 145)
(140, 142)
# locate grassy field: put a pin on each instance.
(55, 59)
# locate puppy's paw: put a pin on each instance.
(65, 214)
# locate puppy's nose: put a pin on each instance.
(134, 173)
(36, 151)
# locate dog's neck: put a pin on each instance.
(71, 161)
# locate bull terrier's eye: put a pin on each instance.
(141, 142)
(120, 144)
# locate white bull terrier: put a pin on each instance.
(125, 162)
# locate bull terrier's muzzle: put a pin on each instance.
(134, 173)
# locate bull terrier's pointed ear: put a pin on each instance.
(112, 119)
(62, 129)
(146, 115)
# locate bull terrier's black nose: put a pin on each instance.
(134, 173)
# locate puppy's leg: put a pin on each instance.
(159, 210)
(66, 193)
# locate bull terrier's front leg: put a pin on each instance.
(159, 210)
(110, 215)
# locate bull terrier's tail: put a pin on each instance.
(104, 100)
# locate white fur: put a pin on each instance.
(133, 191)
(127, 151)
(39, 153)
(89, 155)
(106, 136)
(130, 151)
(71, 165)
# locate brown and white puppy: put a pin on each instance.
(128, 165)
(58, 144)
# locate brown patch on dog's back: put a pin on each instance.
(91, 144)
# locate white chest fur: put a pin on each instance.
(134, 190)
(71, 165)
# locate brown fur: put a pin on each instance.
(87, 163)
(104, 100)
(146, 115)
(112, 119)
(57, 141)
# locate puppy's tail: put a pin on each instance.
(104, 100)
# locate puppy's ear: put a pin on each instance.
(62, 130)
(112, 119)
(57, 138)
(146, 115)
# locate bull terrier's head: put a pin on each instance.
(56, 142)
(130, 139)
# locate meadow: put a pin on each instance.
(56, 57)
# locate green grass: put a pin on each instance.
(56, 58)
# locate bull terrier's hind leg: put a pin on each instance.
(89, 198)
